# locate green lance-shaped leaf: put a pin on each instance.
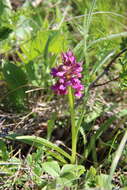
(37, 141)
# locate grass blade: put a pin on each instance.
(109, 37)
(118, 155)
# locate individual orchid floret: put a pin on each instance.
(68, 74)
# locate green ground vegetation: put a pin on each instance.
(35, 124)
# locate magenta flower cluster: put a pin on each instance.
(68, 74)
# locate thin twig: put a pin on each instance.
(101, 84)
(106, 70)
(25, 117)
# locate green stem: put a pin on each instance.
(73, 128)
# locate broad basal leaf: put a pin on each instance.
(16, 81)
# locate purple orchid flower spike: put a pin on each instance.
(68, 74)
